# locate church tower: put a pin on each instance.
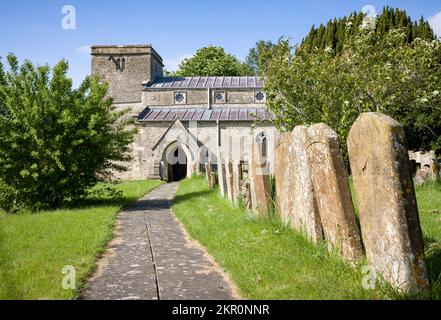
(125, 68)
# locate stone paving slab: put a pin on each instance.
(153, 258)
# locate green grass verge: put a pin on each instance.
(429, 205)
(267, 260)
(34, 247)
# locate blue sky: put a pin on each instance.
(33, 29)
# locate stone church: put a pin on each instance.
(183, 122)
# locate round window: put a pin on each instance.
(260, 96)
(219, 97)
(179, 97)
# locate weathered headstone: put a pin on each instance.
(221, 175)
(229, 179)
(197, 168)
(208, 171)
(434, 169)
(212, 182)
(259, 176)
(388, 209)
(305, 216)
(283, 176)
(331, 188)
(210, 175)
(294, 191)
(422, 176)
(246, 193)
(237, 174)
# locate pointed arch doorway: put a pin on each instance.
(176, 162)
(177, 169)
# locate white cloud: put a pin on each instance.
(172, 64)
(435, 23)
(83, 50)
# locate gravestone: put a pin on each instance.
(246, 193)
(305, 216)
(294, 192)
(388, 209)
(221, 175)
(229, 180)
(259, 176)
(434, 169)
(211, 177)
(237, 174)
(208, 171)
(332, 193)
(212, 180)
(196, 168)
(422, 176)
(283, 176)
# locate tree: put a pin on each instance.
(258, 56)
(338, 31)
(212, 61)
(373, 73)
(55, 141)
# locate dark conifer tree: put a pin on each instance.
(336, 31)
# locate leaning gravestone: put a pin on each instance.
(211, 177)
(208, 171)
(246, 193)
(229, 180)
(212, 180)
(388, 209)
(221, 175)
(294, 191)
(306, 216)
(237, 174)
(259, 176)
(332, 193)
(283, 174)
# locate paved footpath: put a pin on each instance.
(152, 258)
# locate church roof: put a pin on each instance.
(203, 114)
(207, 82)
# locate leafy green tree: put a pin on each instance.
(373, 73)
(212, 61)
(258, 56)
(55, 141)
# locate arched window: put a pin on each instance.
(263, 141)
(123, 64)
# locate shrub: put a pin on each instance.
(55, 141)
(374, 73)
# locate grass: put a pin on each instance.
(34, 247)
(267, 260)
(429, 204)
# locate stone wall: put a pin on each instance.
(199, 97)
(200, 138)
(125, 68)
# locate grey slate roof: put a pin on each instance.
(207, 82)
(203, 114)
